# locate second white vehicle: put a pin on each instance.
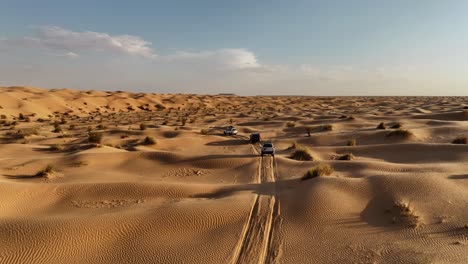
(230, 130)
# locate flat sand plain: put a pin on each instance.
(164, 185)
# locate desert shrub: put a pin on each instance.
(21, 116)
(71, 127)
(327, 127)
(164, 122)
(352, 142)
(343, 117)
(400, 133)
(101, 127)
(3, 117)
(381, 126)
(295, 145)
(397, 125)
(290, 124)
(95, 137)
(124, 136)
(308, 131)
(183, 121)
(302, 153)
(204, 131)
(460, 140)
(57, 128)
(40, 120)
(231, 121)
(63, 121)
(142, 126)
(56, 147)
(321, 169)
(149, 141)
(45, 171)
(348, 156)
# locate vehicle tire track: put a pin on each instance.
(260, 242)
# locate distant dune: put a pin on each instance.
(120, 177)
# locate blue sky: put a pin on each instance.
(248, 47)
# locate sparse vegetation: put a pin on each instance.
(404, 215)
(460, 140)
(352, 142)
(57, 128)
(204, 131)
(382, 126)
(142, 126)
(56, 147)
(95, 137)
(397, 125)
(321, 169)
(308, 130)
(45, 171)
(149, 141)
(290, 124)
(21, 116)
(400, 133)
(302, 153)
(348, 156)
(327, 127)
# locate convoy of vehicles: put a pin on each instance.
(267, 148)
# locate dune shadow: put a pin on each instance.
(229, 142)
(219, 156)
(23, 177)
(458, 177)
(264, 188)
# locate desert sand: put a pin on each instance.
(150, 178)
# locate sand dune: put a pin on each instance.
(150, 178)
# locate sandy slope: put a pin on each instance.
(197, 196)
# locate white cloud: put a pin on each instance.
(59, 39)
(230, 59)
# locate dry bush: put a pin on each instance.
(400, 133)
(327, 127)
(348, 156)
(95, 137)
(46, 171)
(56, 147)
(142, 126)
(352, 142)
(302, 153)
(321, 169)
(382, 126)
(397, 125)
(204, 131)
(404, 215)
(460, 140)
(308, 130)
(290, 124)
(57, 128)
(149, 141)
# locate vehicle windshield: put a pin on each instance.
(267, 145)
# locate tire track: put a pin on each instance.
(260, 241)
